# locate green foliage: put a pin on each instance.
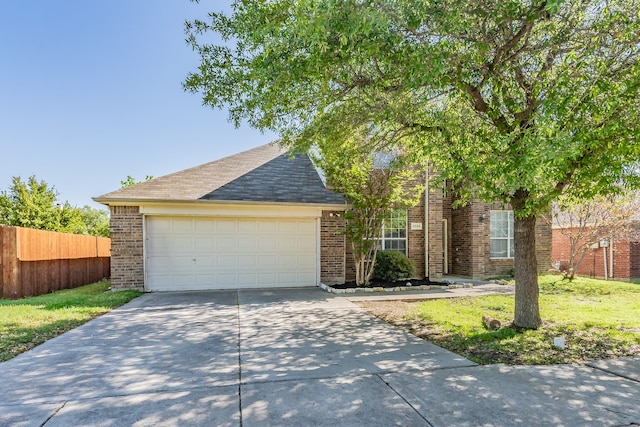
(392, 265)
(30, 204)
(512, 101)
(131, 181)
(509, 99)
(28, 322)
(96, 221)
(372, 190)
(34, 204)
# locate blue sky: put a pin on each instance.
(90, 92)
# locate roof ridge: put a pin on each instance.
(194, 182)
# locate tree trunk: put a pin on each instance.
(527, 309)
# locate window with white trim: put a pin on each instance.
(394, 232)
(501, 234)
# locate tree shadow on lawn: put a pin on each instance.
(512, 346)
(28, 322)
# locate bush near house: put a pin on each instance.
(392, 265)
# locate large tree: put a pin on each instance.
(31, 204)
(34, 204)
(512, 100)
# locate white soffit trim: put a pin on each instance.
(234, 210)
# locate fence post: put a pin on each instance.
(10, 270)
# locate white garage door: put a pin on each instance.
(185, 253)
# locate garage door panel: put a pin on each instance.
(248, 279)
(205, 262)
(287, 277)
(247, 227)
(247, 243)
(226, 226)
(286, 227)
(226, 243)
(180, 225)
(205, 227)
(267, 261)
(194, 253)
(247, 261)
(306, 277)
(306, 245)
(268, 227)
(179, 243)
(204, 282)
(205, 244)
(159, 265)
(159, 246)
(182, 265)
(267, 244)
(227, 262)
(288, 244)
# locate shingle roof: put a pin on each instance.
(263, 174)
(286, 178)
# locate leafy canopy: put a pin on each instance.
(374, 185)
(34, 204)
(513, 100)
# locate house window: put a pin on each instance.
(501, 234)
(394, 232)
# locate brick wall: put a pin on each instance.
(626, 258)
(634, 270)
(434, 236)
(543, 245)
(127, 257)
(415, 238)
(470, 253)
(415, 244)
(332, 247)
(462, 242)
(446, 215)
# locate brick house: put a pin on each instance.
(613, 259)
(263, 218)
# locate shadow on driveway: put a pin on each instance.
(285, 357)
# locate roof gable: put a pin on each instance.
(193, 183)
(262, 174)
(285, 179)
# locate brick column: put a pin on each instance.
(415, 238)
(434, 237)
(127, 254)
(332, 247)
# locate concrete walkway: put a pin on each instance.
(476, 290)
(289, 357)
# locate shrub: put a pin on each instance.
(392, 265)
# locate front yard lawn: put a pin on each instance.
(598, 319)
(27, 322)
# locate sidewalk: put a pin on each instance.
(476, 290)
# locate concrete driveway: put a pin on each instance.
(289, 357)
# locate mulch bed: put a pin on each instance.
(377, 283)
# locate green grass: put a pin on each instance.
(599, 319)
(28, 322)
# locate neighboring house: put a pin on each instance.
(263, 218)
(613, 259)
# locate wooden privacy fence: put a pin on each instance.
(36, 262)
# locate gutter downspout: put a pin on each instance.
(426, 222)
(604, 254)
(611, 258)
